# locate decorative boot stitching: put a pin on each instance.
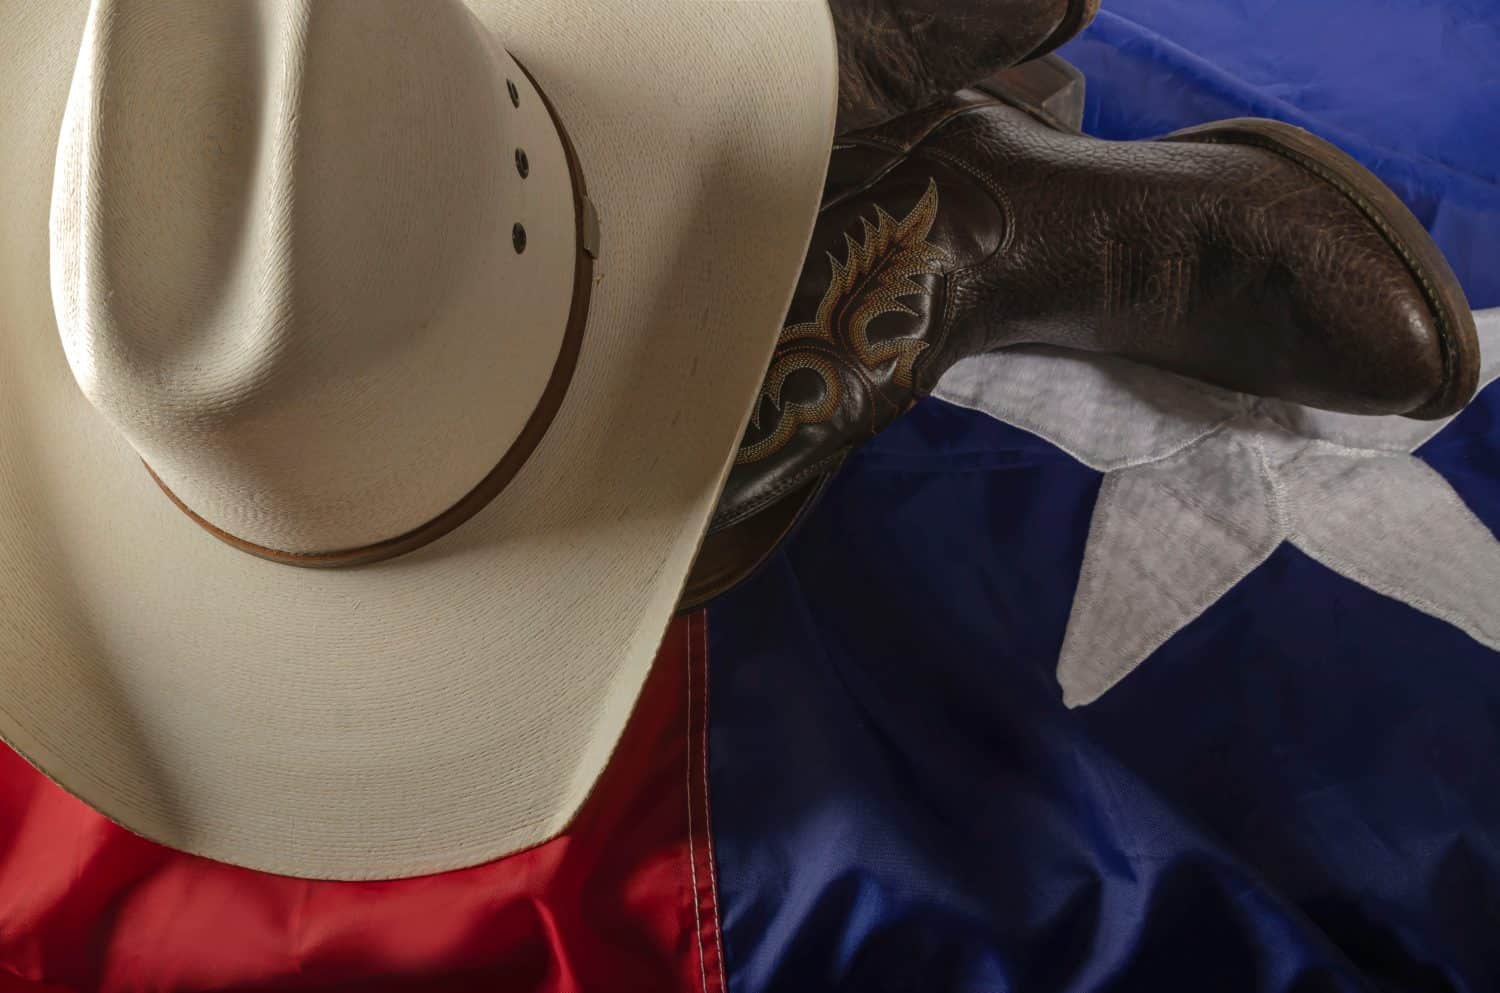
(879, 273)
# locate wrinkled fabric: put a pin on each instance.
(622, 901)
(1201, 484)
(1297, 792)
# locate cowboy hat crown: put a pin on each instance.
(315, 261)
(349, 276)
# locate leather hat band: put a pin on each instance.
(587, 237)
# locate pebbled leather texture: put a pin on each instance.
(896, 56)
(1255, 258)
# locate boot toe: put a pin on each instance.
(1374, 302)
(1399, 332)
(1387, 351)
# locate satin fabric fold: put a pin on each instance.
(623, 900)
(1296, 794)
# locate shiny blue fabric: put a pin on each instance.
(1299, 792)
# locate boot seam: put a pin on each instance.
(1007, 208)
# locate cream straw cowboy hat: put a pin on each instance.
(368, 373)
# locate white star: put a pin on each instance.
(1201, 485)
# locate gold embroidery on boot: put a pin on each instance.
(879, 274)
(795, 414)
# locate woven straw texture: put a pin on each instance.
(455, 705)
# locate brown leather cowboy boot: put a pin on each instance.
(896, 56)
(1248, 254)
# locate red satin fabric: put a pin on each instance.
(625, 900)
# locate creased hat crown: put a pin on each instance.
(313, 259)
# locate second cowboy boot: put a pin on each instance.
(896, 56)
(1247, 254)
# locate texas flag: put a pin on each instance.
(1082, 678)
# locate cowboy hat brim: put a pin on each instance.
(455, 705)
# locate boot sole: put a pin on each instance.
(1401, 230)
